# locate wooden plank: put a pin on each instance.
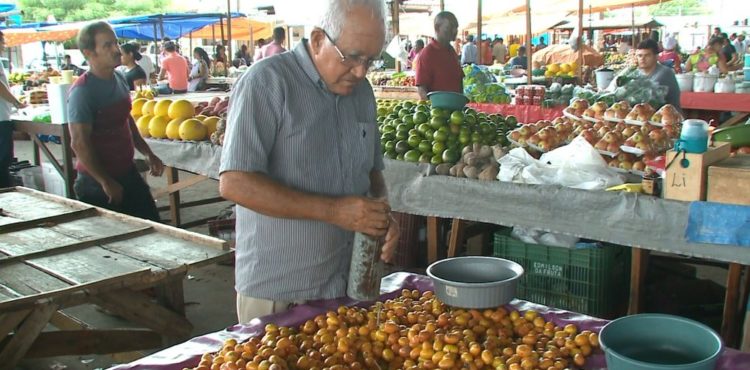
(7, 294)
(458, 229)
(729, 322)
(96, 227)
(202, 221)
(9, 321)
(77, 246)
(172, 295)
(64, 294)
(166, 253)
(36, 222)
(63, 321)
(91, 264)
(136, 307)
(34, 128)
(179, 185)
(638, 268)
(173, 176)
(88, 342)
(27, 280)
(432, 239)
(47, 153)
(24, 337)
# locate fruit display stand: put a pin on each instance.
(706, 105)
(65, 166)
(188, 354)
(524, 113)
(57, 253)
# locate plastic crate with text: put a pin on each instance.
(592, 281)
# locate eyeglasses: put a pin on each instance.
(350, 61)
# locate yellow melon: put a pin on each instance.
(157, 127)
(148, 107)
(200, 117)
(553, 68)
(162, 107)
(210, 124)
(565, 67)
(137, 107)
(142, 124)
(173, 128)
(181, 109)
(192, 129)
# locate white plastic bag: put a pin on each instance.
(577, 165)
(536, 236)
(397, 51)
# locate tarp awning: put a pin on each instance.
(240, 30)
(589, 7)
(516, 24)
(611, 24)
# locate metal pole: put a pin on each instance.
(156, 46)
(229, 28)
(632, 25)
(580, 40)
(228, 61)
(479, 32)
(442, 5)
(395, 25)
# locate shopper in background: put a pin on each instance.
(219, 67)
(486, 53)
(103, 134)
(276, 46)
(469, 51)
(541, 45)
(258, 49)
(740, 44)
(437, 66)
(500, 51)
(513, 48)
(175, 69)
(243, 55)
(134, 74)
(7, 101)
(414, 52)
(670, 56)
(199, 71)
(711, 55)
(728, 50)
(69, 66)
(521, 60)
(457, 46)
(297, 212)
(648, 64)
(146, 63)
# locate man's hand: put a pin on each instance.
(114, 191)
(361, 214)
(391, 241)
(21, 105)
(156, 165)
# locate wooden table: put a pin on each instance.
(695, 103)
(64, 167)
(57, 253)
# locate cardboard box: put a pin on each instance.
(729, 181)
(689, 183)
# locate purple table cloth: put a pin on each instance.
(188, 354)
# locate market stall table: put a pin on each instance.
(57, 253)
(188, 354)
(635, 220)
(714, 103)
(524, 113)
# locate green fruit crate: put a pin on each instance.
(593, 281)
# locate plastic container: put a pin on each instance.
(475, 282)
(685, 81)
(746, 71)
(747, 60)
(659, 342)
(703, 82)
(589, 280)
(448, 100)
(53, 182)
(694, 137)
(364, 271)
(603, 78)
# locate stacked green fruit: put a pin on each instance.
(417, 132)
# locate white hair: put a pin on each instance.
(333, 17)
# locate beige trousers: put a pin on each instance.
(249, 308)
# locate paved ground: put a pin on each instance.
(209, 291)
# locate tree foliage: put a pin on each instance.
(678, 7)
(82, 10)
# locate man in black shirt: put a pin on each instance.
(730, 53)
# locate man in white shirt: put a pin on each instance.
(469, 51)
(147, 64)
(740, 44)
(499, 51)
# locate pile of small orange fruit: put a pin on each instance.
(413, 331)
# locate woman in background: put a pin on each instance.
(134, 74)
(199, 71)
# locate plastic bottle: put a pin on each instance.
(364, 271)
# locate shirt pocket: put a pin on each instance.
(363, 154)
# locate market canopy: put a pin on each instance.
(158, 26)
(243, 28)
(35, 32)
(611, 24)
(516, 24)
(565, 54)
(589, 6)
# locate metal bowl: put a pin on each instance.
(736, 135)
(659, 342)
(475, 282)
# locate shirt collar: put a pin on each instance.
(305, 61)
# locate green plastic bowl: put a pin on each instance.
(659, 342)
(736, 135)
(448, 100)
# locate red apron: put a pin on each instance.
(111, 136)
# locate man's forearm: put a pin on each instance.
(6, 95)
(422, 92)
(260, 193)
(84, 151)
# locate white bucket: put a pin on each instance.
(604, 78)
(685, 81)
(53, 182)
(704, 82)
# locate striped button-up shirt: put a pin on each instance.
(286, 124)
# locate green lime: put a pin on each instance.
(437, 112)
(414, 132)
(425, 158)
(425, 147)
(412, 155)
(401, 135)
(403, 127)
(409, 120)
(436, 159)
(438, 147)
(391, 154)
(475, 137)
(423, 128)
(402, 147)
(420, 117)
(450, 156)
(440, 136)
(455, 129)
(428, 134)
(457, 117)
(400, 157)
(408, 105)
(470, 119)
(390, 145)
(414, 141)
(437, 122)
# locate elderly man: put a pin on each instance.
(647, 55)
(303, 162)
(437, 66)
(103, 134)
